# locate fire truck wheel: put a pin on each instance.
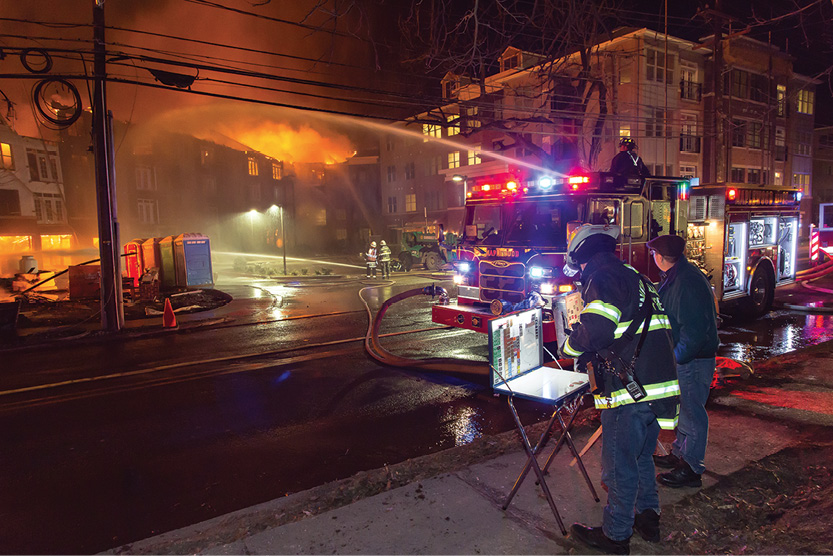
(761, 293)
(407, 261)
(432, 261)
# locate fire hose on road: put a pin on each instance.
(804, 277)
(441, 364)
(438, 364)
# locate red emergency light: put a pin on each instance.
(731, 194)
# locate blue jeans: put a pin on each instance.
(630, 436)
(693, 430)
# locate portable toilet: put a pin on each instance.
(134, 260)
(167, 263)
(193, 261)
(150, 254)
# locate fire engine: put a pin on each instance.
(515, 232)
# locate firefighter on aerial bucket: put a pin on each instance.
(370, 260)
(627, 162)
(384, 259)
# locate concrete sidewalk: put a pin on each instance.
(458, 511)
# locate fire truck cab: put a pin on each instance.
(515, 234)
(514, 239)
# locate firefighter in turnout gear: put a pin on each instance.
(384, 259)
(628, 162)
(370, 260)
(623, 340)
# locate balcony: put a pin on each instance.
(689, 144)
(690, 90)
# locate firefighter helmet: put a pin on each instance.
(382, 243)
(586, 241)
(373, 244)
(627, 142)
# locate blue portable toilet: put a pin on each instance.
(192, 253)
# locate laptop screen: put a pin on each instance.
(515, 345)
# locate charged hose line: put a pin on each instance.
(437, 364)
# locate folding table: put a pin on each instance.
(516, 358)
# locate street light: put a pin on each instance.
(252, 214)
(461, 178)
(283, 236)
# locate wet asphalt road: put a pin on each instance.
(163, 442)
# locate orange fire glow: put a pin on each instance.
(304, 145)
(281, 134)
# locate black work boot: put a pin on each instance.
(646, 523)
(667, 462)
(681, 476)
(594, 537)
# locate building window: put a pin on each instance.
(738, 175)
(738, 133)
(55, 242)
(410, 171)
(740, 84)
(802, 181)
(781, 99)
(804, 101)
(252, 166)
(688, 171)
(410, 202)
(148, 211)
(341, 234)
(431, 130)
(753, 135)
(656, 67)
(146, 178)
(780, 144)
(434, 165)
(474, 157)
(277, 171)
(453, 124)
(6, 160)
(779, 180)
(658, 126)
(689, 141)
(472, 117)
(753, 175)
(205, 157)
(454, 159)
(803, 143)
(391, 174)
(321, 217)
(9, 203)
(49, 207)
(660, 170)
(39, 166)
(391, 205)
(758, 88)
(624, 130)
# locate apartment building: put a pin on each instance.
(33, 218)
(547, 116)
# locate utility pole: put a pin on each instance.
(105, 195)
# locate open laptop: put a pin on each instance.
(516, 357)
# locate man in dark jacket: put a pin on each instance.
(627, 162)
(687, 296)
(617, 303)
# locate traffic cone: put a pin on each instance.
(168, 316)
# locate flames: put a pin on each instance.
(295, 145)
(282, 134)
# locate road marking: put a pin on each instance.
(203, 362)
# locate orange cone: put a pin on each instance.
(168, 316)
